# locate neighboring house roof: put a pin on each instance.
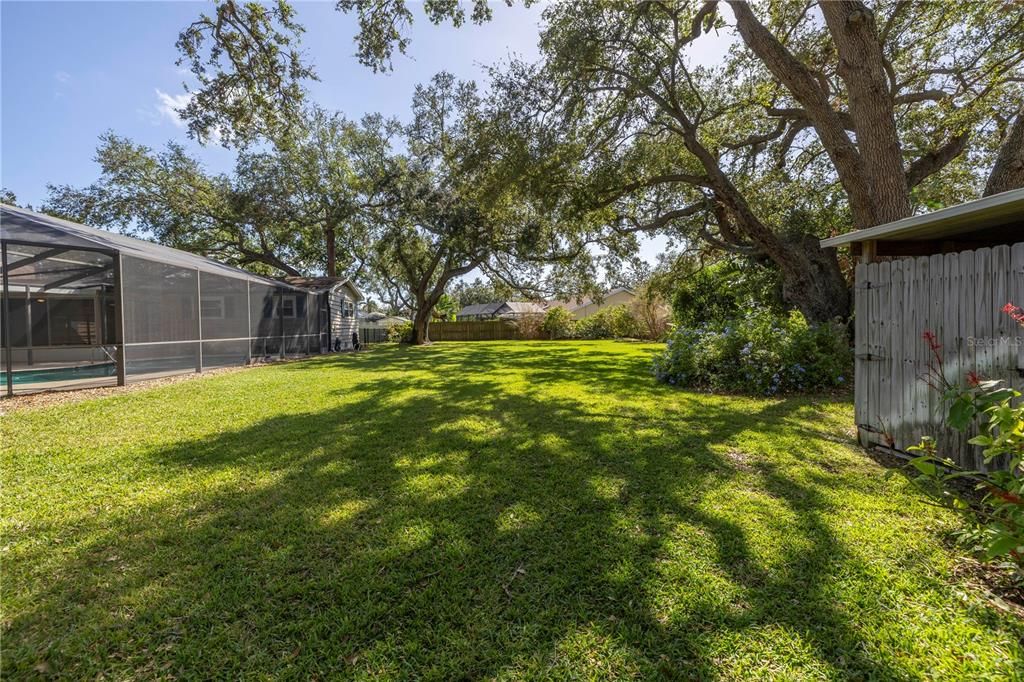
(382, 319)
(524, 307)
(999, 212)
(500, 308)
(480, 309)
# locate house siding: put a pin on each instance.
(618, 298)
(341, 327)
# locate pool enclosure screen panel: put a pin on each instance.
(224, 317)
(87, 307)
(161, 318)
(265, 324)
(57, 318)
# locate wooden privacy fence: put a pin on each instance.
(481, 330)
(957, 296)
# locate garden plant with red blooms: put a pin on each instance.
(1016, 312)
(995, 522)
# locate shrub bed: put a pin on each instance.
(758, 352)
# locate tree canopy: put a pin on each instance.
(447, 208)
(823, 117)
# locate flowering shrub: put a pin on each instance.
(758, 352)
(614, 322)
(994, 523)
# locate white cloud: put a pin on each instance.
(62, 77)
(168, 105)
(166, 109)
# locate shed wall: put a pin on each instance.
(959, 297)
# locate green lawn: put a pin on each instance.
(489, 510)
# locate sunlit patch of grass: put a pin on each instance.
(515, 510)
(518, 517)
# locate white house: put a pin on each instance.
(588, 306)
(343, 298)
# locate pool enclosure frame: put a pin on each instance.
(122, 309)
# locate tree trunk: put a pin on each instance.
(861, 66)
(805, 87)
(1008, 172)
(421, 325)
(332, 251)
(813, 282)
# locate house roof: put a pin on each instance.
(314, 282)
(498, 307)
(323, 284)
(19, 224)
(481, 308)
(988, 216)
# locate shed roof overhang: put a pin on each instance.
(996, 219)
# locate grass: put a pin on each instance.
(489, 510)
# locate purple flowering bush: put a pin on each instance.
(757, 352)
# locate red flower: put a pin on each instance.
(1016, 312)
(931, 339)
(973, 379)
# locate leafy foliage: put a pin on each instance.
(721, 291)
(446, 209)
(994, 523)
(559, 323)
(446, 308)
(284, 210)
(250, 218)
(480, 291)
(757, 352)
(250, 71)
(400, 333)
(613, 322)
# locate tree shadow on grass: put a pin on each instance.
(457, 529)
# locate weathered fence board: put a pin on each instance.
(959, 297)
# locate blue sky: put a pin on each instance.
(71, 70)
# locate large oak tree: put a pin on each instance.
(447, 208)
(824, 118)
(283, 210)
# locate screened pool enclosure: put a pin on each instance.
(87, 307)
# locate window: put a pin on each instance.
(72, 322)
(288, 306)
(212, 307)
(55, 321)
(348, 308)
